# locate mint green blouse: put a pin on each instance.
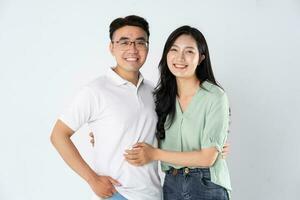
(203, 124)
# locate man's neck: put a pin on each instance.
(132, 77)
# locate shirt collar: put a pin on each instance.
(118, 80)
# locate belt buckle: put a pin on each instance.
(186, 170)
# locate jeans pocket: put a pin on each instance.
(207, 183)
(169, 187)
(212, 190)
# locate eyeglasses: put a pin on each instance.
(125, 44)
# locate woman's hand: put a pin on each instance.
(141, 154)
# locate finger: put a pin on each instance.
(106, 195)
(114, 182)
(132, 162)
(224, 153)
(103, 196)
(114, 190)
(107, 182)
(225, 150)
(140, 144)
(137, 145)
(138, 163)
(109, 194)
(227, 145)
(131, 157)
(132, 152)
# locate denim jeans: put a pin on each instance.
(192, 184)
(116, 196)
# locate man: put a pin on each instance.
(119, 109)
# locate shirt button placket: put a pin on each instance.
(136, 93)
(181, 136)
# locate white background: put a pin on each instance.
(49, 49)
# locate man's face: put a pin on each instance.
(129, 46)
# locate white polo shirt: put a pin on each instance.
(120, 114)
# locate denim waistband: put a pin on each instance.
(185, 170)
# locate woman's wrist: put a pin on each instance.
(156, 154)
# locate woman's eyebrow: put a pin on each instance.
(188, 47)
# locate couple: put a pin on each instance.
(187, 119)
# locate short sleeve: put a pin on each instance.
(81, 110)
(216, 124)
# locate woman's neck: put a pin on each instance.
(187, 87)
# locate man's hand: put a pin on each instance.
(103, 186)
(140, 154)
(225, 151)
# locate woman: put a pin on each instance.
(193, 117)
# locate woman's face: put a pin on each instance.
(183, 57)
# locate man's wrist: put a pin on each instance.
(91, 178)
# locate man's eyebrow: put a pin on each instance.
(124, 38)
(127, 38)
(141, 38)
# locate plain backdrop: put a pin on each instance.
(50, 49)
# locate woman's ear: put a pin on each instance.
(202, 57)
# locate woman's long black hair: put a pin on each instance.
(166, 90)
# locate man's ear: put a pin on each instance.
(202, 57)
(111, 48)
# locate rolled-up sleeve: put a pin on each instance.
(216, 123)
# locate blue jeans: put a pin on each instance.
(192, 184)
(116, 196)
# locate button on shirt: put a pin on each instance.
(204, 124)
(119, 114)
